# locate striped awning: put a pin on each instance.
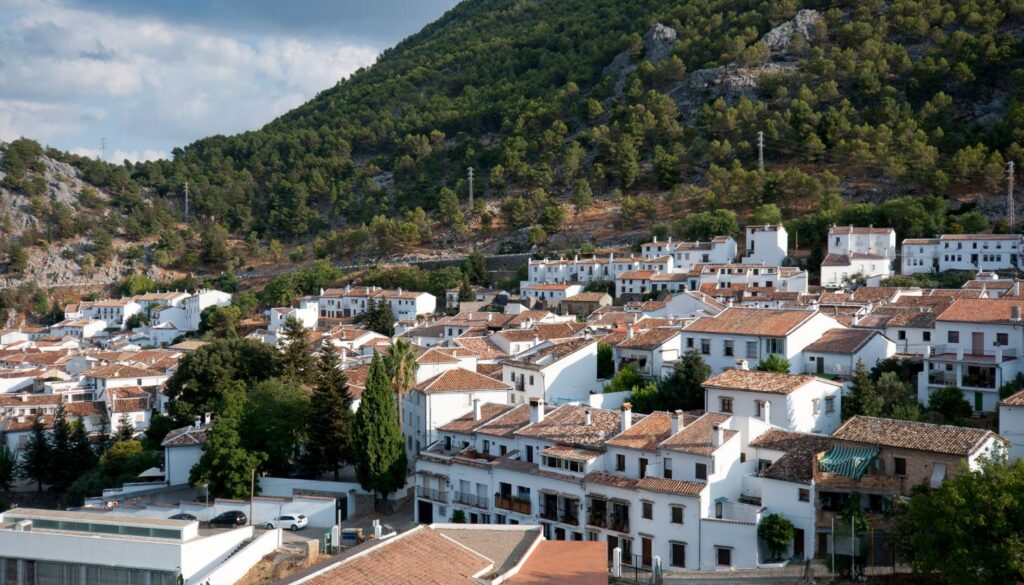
(850, 462)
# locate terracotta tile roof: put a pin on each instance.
(519, 335)
(86, 408)
(119, 371)
(466, 424)
(636, 275)
(755, 381)
(797, 462)
(589, 297)
(357, 380)
(983, 311)
(566, 425)
(920, 241)
(874, 294)
(492, 370)
(952, 440)
(954, 293)
(1013, 400)
(651, 339)
(903, 317)
(506, 424)
(139, 404)
(437, 355)
(24, 399)
(535, 315)
(845, 341)
(558, 330)
(481, 346)
(989, 284)
(612, 480)
(506, 548)
(13, 425)
(671, 486)
(544, 357)
(556, 562)
(747, 321)
(573, 453)
(186, 436)
(421, 555)
(647, 434)
(696, 438)
(836, 260)
(848, 229)
(546, 286)
(460, 380)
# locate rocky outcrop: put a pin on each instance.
(730, 82)
(659, 41)
(779, 39)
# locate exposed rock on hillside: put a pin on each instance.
(63, 185)
(659, 40)
(802, 26)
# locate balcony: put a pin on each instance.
(474, 500)
(967, 354)
(512, 504)
(549, 514)
(432, 494)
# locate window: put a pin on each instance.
(620, 463)
(725, 404)
(677, 514)
(643, 468)
(678, 554)
(1002, 339)
(727, 347)
(830, 404)
(953, 337)
(814, 405)
(705, 346)
(805, 495)
(689, 343)
(503, 450)
(668, 468)
(899, 466)
(531, 379)
(701, 471)
(743, 457)
(926, 336)
(487, 446)
(647, 510)
(763, 464)
(774, 345)
(529, 453)
(901, 335)
(751, 349)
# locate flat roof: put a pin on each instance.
(96, 517)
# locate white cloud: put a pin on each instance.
(72, 73)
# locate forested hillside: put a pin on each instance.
(654, 105)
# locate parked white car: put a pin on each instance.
(289, 521)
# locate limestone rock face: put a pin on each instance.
(802, 25)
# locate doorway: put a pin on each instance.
(426, 512)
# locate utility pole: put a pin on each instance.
(1009, 195)
(760, 150)
(186, 200)
(470, 171)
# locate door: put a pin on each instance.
(821, 365)
(643, 467)
(648, 554)
(822, 543)
(798, 543)
(979, 403)
(341, 505)
(613, 543)
(978, 343)
(426, 512)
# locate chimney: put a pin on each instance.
(627, 416)
(1015, 313)
(678, 422)
(536, 410)
(587, 418)
(716, 436)
(629, 332)
(742, 365)
(766, 411)
(476, 409)
(399, 290)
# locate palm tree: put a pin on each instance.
(401, 365)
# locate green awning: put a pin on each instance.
(850, 462)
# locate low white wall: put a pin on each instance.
(203, 554)
(608, 400)
(229, 572)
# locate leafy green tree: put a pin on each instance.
(450, 211)
(950, 403)
(863, 398)
(329, 430)
(274, 422)
(159, 426)
(37, 458)
(474, 267)
(625, 379)
(644, 398)
(17, 259)
(8, 467)
(400, 363)
(975, 526)
(974, 222)
(125, 429)
(216, 321)
(605, 361)
(379, 318)
(682, 389)
(381, 463)
(776, 532)
(893, 391)
(582, 196)
(766, 214)
(775, 362)
(297, 354)
(225, 466)
(466, 292)
(706, 225)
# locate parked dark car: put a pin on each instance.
(182, 517)
(230, 519)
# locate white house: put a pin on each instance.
(1011, 423)
(977, 349)
(634, 283)
(741, 333)
(115, 312)
(308, 313)
(556, 371)
(858, 251)
(766, 244)
(977, 252)
(551, 295)
(802, 403)
(651, 352)
(79, 328)
(182, 449)
(836, 353)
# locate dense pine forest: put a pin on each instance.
(656, 104)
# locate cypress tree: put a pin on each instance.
(125, 430)
(82, 454)
(331, 418)
(381, 462)
(37, 458)
(62, 471)
(297, 357)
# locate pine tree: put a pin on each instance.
(863, 398)
(62, 471)
(466, 291)
(297, 355)
(331, 418)
(683, 388)
(381, 462)
(82, 454)
(125, 429)
(379, 317)
(8, 467)
(36, 460)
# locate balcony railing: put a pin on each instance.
(989, 354)
(512, 504)
(597, 519)
(570, 517)
(432, 494)
(474, 500)
(941, 378)
(549, 514)
(618, 524)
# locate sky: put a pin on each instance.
(150, 75)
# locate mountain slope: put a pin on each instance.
(551, 101)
